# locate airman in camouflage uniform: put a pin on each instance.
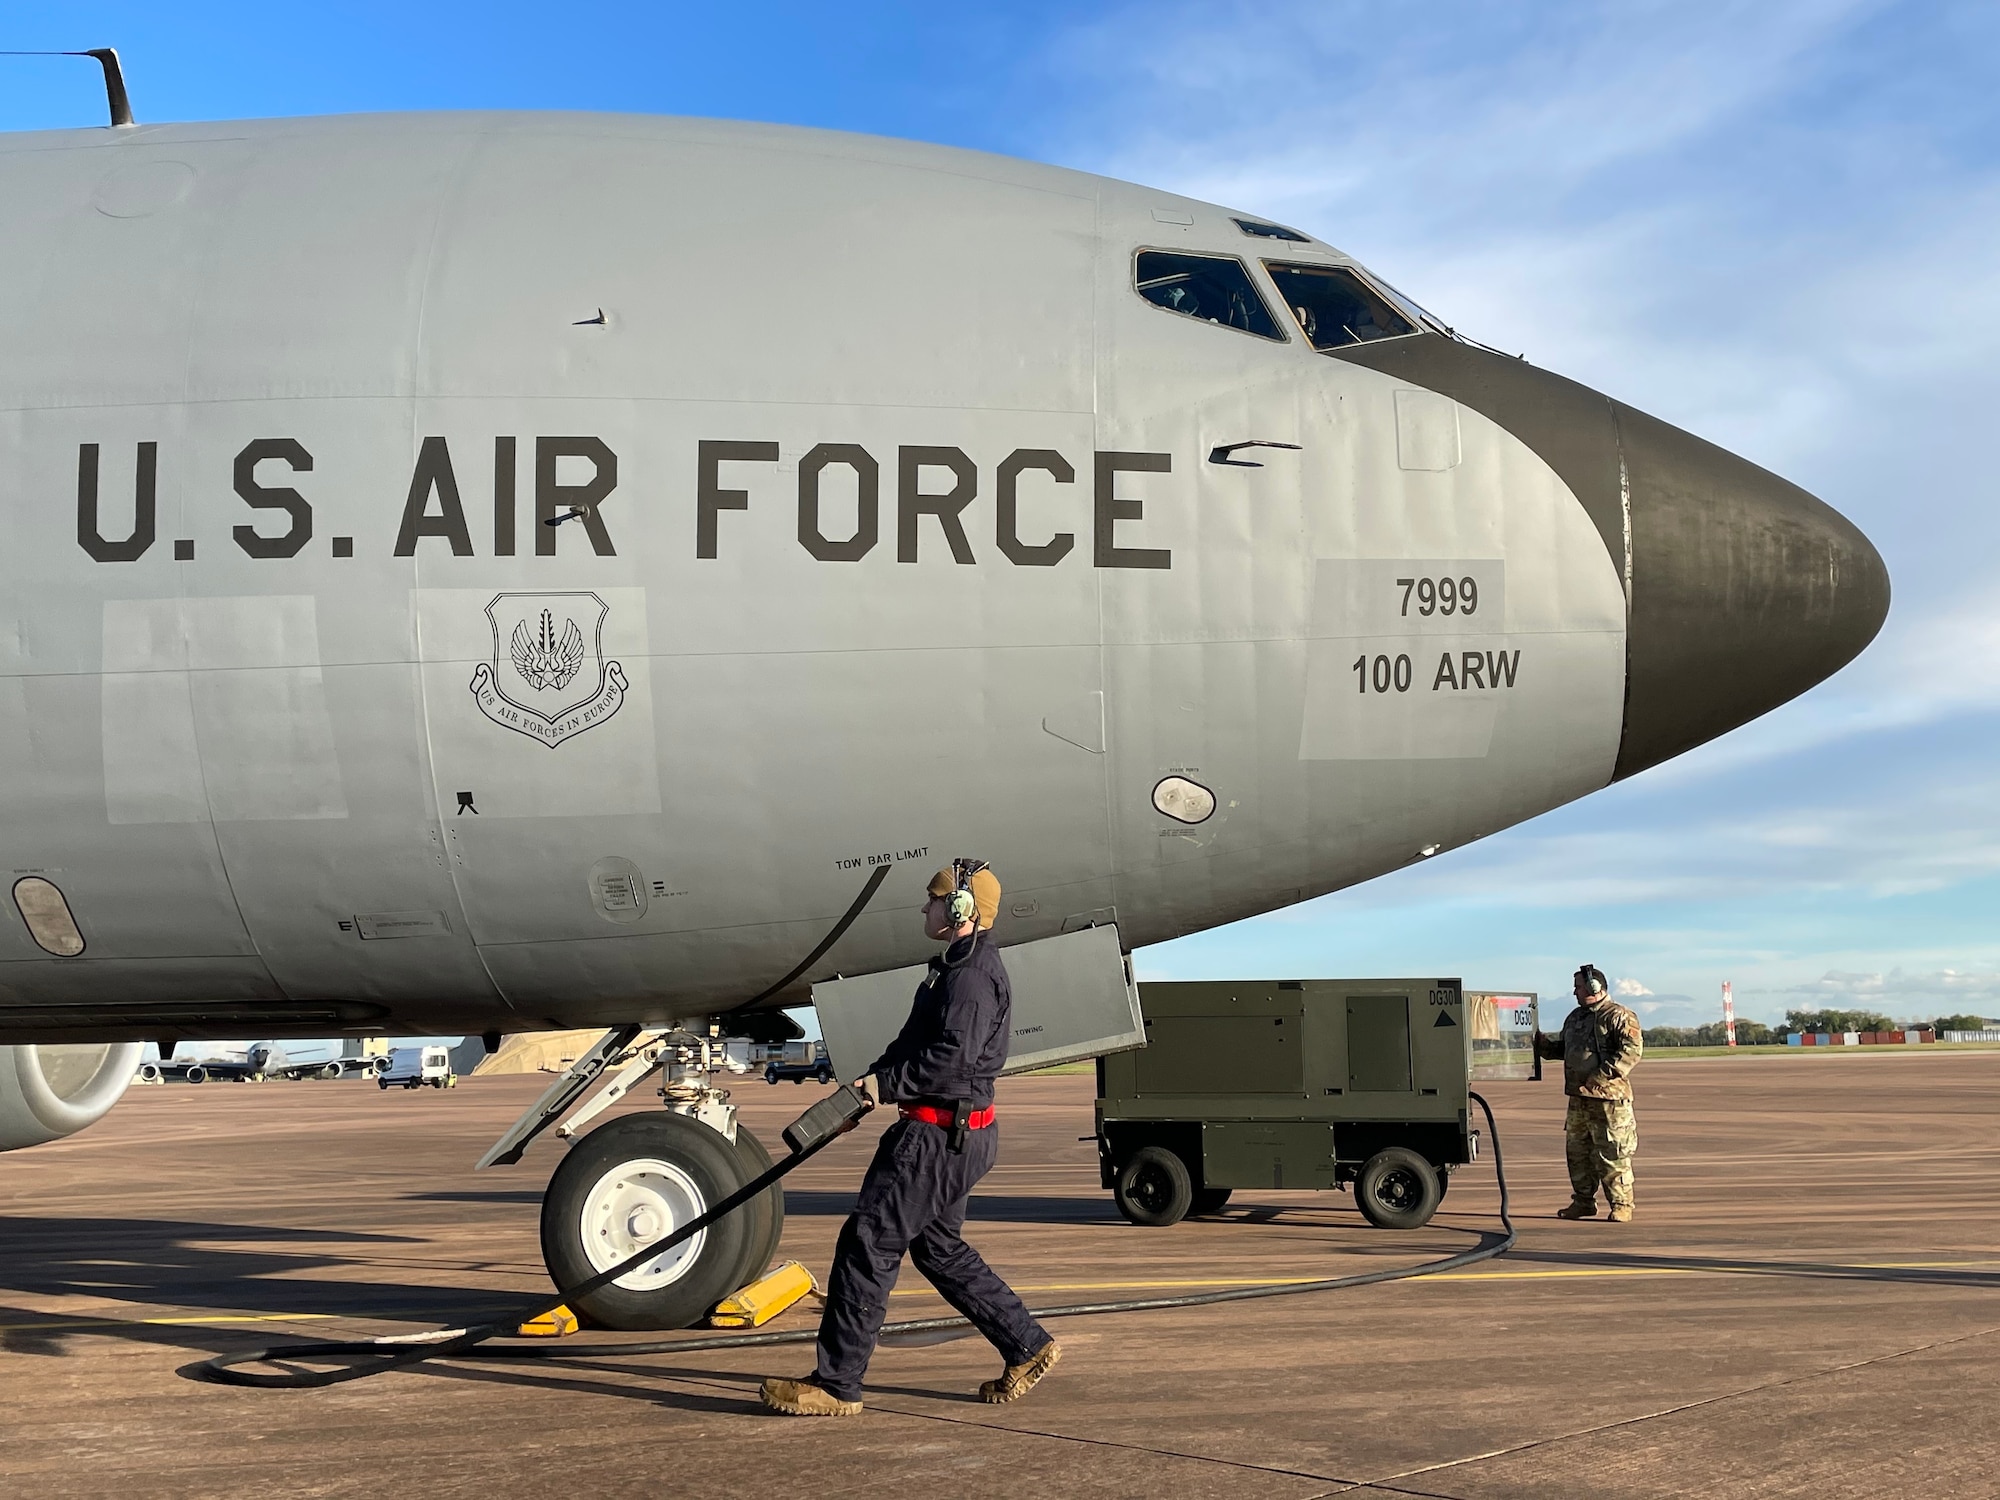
(1599, 1046)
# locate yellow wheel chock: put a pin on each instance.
(766, 1297)
(558, 1323)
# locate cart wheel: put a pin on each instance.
(824, 1073)
(1208, 1201)
(1398, 1189)
(771, 1073)
(1153, 1189)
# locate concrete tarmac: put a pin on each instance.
(1807, 1304)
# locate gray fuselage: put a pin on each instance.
(886, 531)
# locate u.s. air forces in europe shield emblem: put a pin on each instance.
(548, 678)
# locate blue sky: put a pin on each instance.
(1772, 223)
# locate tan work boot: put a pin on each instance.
(1017, 1380)
(1579, 1208)
(804, 1398)
(1621, 1213)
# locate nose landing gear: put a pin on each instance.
(638, 1178)
(634, 1181)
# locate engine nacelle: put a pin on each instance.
(51, 1091)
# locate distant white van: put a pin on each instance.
(412, 1067)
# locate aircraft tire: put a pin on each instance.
(1153, 1188)
(633, 1181)
(766, 1215)
(1397, 1189)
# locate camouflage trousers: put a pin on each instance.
(1600, 1137)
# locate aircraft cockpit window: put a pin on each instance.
(1265, 231)
(1335, 308)
(1214, 288)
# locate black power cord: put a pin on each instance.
(378, 1355)
(821, 1124)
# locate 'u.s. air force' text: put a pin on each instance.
(933, 483)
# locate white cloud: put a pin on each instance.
(1770, 224)
(1952, 989)
(1625, 988)
(1653, 200)
(1635, 846)
(1675, 1010)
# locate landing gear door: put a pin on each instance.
(1504, 1025)
(1073, 999)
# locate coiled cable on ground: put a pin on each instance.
(398, 1351)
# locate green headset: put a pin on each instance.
(963, 904)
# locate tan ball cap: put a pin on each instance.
(986, 891)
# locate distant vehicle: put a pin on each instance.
(799, 1061)
(413, 1067)
(1304, 1083)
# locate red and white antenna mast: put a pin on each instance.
(1728, 1013)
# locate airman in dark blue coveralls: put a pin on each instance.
(939, 1071)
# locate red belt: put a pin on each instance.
(979, 1119)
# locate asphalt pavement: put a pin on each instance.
(1808, 1303)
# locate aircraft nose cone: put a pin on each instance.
(1746, 590)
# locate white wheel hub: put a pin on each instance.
(634, 1204)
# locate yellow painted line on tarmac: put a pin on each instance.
(1752, 1269)
(215, 1320)
(1566, 1273)
(1123, 1286)
(196, 1322)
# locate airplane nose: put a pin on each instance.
(1746, 590)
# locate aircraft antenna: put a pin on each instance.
(114, 79)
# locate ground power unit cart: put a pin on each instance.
(1301, 1084)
